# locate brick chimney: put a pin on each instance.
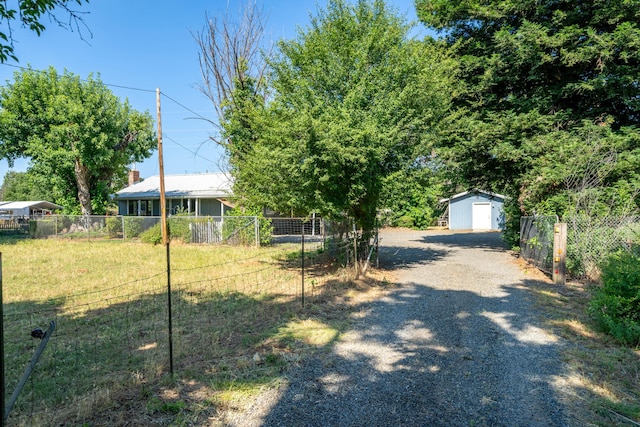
(134, 177)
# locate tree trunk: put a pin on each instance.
(82, 180)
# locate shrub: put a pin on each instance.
(179, 228)
(405, 221)
(152, 235)
(239, 227)
(41, 228)
(616, 305)
(133, 226)
(114, 226)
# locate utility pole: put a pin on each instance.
(165, 232)
(163, 203)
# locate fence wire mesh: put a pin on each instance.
(589, 241)
(110, 304)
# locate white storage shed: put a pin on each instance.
(475, 210)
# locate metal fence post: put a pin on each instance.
(29, 369)
(256, 230)
(302, 265)
(559, 252)
(2, 397)
(355, 250)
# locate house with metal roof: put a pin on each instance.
(204, 194)
(476, 210)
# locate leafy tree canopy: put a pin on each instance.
(411, 197)
(352, 97)
(76, 133)
(577, 60)
(24, 186)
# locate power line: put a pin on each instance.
(185, 107)
(195, 153)
(82, 80)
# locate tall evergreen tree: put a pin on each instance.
(544, 81)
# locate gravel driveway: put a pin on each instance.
(458, 343)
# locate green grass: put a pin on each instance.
(237, 323)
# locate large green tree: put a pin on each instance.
(30, 13)
(76, 133)
(352, 96)
(549, 87)
(24, 186)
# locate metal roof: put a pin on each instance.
(39, 204)
(464, 193)
(195, 186)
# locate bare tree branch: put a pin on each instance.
(230, 54)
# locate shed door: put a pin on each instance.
(482, 216)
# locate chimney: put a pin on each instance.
(134, 177)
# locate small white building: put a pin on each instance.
(475, 210)
(26, 210)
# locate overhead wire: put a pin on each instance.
(195, 153)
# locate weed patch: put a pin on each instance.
(603, 376)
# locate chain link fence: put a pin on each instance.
(589, 241)
(188, 229)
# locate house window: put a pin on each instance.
(177, 206)
(146, 207)
(132, 207)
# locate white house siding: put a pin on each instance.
(461, 210)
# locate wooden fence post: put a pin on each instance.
(559, 252)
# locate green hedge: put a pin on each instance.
(114, 226)
(39, 229)
(178, 230)
(616, 305)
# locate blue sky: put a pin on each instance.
(139, 45)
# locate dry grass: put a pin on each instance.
(603, 378)
(237, 323)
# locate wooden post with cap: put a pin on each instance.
(559, 253)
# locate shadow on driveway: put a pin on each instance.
(428, 357)
(433, 352)
(478, 240)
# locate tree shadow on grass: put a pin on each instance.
(107, 362)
